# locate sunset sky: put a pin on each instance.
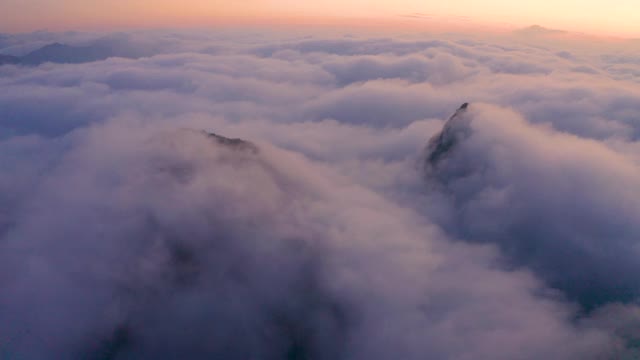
(614, 17)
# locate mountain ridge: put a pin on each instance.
(59, 53)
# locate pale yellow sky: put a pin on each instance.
(610, 17)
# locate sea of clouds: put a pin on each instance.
(128, 233)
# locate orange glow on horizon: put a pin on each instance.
(588, 16)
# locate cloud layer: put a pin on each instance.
(127, 232)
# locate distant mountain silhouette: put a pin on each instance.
(68, 54)
(8, 59)
(534, 30)
(59, 53)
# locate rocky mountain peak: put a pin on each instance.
(454, 130)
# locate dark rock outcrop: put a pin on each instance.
(455, 130)
(237, 144)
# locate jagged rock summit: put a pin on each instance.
(455, 130)
(237, 144)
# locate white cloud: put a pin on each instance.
(126, 232)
